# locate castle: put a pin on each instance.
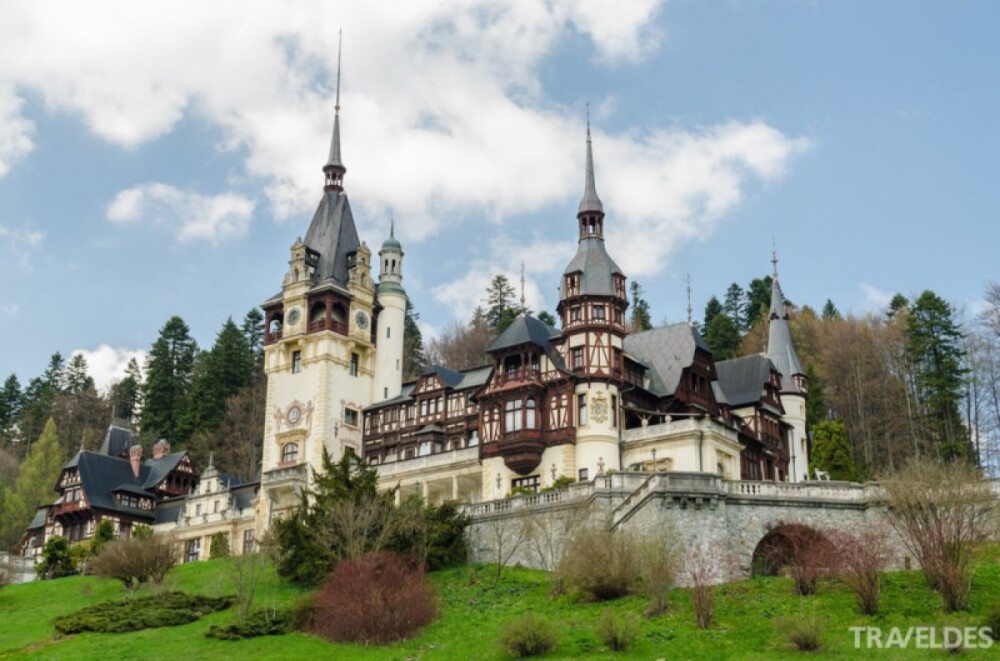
(552, 406)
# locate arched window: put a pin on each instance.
(289, 453)
(275, 326)
(529, 414)
(338, 314)
(317, 313)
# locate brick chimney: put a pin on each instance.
(161, 449)
(135, 458)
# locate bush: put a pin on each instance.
(529, 635)
(219, 547)
(658, 553)
(560, 482)
(800, 549)
(136, 561)
(861, 556)
(702, 569)
(167, 609)
(617, 632)
(378, 598)
(103, 534)
(992, 620)
(141, 531)
(57, 559)
(301, 612)
(805, 633)
(257, 623)
(603, 564)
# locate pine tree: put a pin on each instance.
(169, 372)
(831, 451)
(253, 331)
(33, 487)
(76, 379)
(758, 301)
(830, 311)
(219, 374)
(500, 308)
(641, 318)
(712, 310)
(55, 374)
(733, 305)
(816, 408)
(723, 337)
(934, 348)
(897, 304)
(414, 360)
(126, 394)
(548, 318)
(10, 403)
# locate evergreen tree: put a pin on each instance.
(220, 374)
(548, 318)
(414, 360)
(712, 310)
(934, 348)
(816, 408)
(33, 487)
(253, 331)
(733, 305)
(500, 307)
(55, 374)
(758, 301)
(723, 337)
(898, 303)
(169, 372)
(831, 451)
(10, 403)
(641, 319)
(76, 379)
(126, 394)
(830, 311)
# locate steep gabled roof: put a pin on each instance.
(665, 352)
(159, 468)
(334, 236)
(450, 378)
(742, 379)
(101, 475)
(117, 441)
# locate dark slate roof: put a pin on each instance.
(475, 377)
(448, 377)
(101, 475)
(665, 352)
(333, 235)
(597, 267)
(743, 379)
(130, 488)
(169, 511)
(524, 330)
(117, 441)
(590, 201)
(159, 468)
(470, 378)
(38, 521)
(244, 494)
(779, 340)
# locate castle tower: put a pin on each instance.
(319, 355)
(391, 300)
(592, 304)
(794, 385)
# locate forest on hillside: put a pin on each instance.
(911, 380)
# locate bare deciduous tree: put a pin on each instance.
(503, 536)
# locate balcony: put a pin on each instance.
(449, 460)
(72, 506)
(321, 325)
(518, 375)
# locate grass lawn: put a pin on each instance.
(473, 617)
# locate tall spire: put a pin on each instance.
(779, 337)
(334, 169)
(591, 210)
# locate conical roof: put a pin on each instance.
(779, 340)
(591, 202)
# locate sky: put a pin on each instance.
(159, 159)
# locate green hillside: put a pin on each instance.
(473, 616)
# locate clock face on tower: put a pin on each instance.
(293, 316)
(361, 319)
(294, 415)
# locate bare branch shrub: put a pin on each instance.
(602, 564)
(658, 553)
(943, 511)
(701, 570)
(805, 632)
(136, 562)
(800, 550)
(548, 533)
(617, 632)
(503, 536)
(246, 571)
(861, 557)
(377, 598)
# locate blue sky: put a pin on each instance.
(160, 160)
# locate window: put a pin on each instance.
(385, 393)
(577, 357)
(192, 551)
(423, 407)
(388, 332)
(529, 414)
(512, 415)
(581, 409)
(351, 417)
(248, 540)
(614, 412)
(574, 314)
(426, 448)
(584, 475)
(531, 483)
(197, 510)
(354, 364)
(599, 312)
(473, 438)
(290, 453)
(296, 362)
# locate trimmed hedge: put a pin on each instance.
(168, 609)
(258, 623)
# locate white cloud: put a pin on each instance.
(875, 298)
(16, 132)
(106, 364)
(18, 244)
(189, 215)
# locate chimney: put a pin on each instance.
(135, 458)
(161, 449)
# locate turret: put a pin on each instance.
(391, 297)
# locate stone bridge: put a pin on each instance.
(732, 517)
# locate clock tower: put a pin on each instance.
(319, 347)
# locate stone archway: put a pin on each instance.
(786, 544)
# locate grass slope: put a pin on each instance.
(473, 617)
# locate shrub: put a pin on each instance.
(377, 598)
(219, 547)
(529, 635)
(141, 531)
(658, 568)
(992, 621)
(802, 550)
(617, 632)
(166, 609)
(805, 633)
(301, 613)
(702, 569)
(861, 556)
(103, 534)
(560, 482)
(257, 623)
(57, 559)
(603, 564)
(136, 561)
